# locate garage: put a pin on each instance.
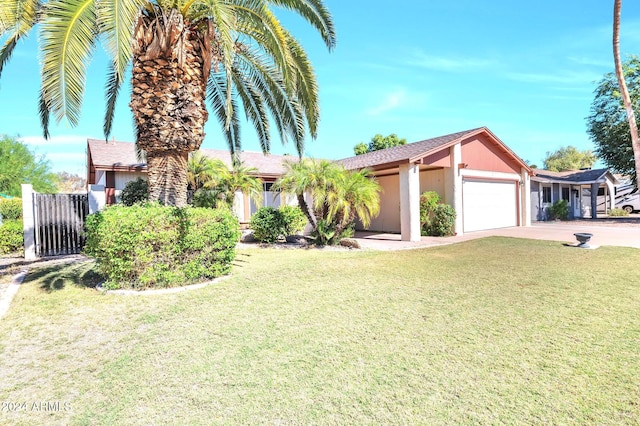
(489, 204)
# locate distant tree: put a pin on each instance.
(607, 123)
(379, 142)
(624, 92)
(569, 158)
(19, 165)
(70, 183)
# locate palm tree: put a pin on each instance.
(241, 179)
(309, 176)
(339, 195)
(355, 194)
(215, 185)
(624, 92)
(233, 53)
(202, 170)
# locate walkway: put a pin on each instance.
(604, 234)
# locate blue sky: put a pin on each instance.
(419, 69)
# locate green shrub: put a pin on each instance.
(436, 218)
(146, 246)
(325, 233)
(617, 212)
(428, 202)
(559, 210)
(293, 219)
(270, 224)
(11, 236)
(443, 221)
(267, 225)
(135, 191)
(11, 209)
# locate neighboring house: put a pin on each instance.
(588, 192)
(486, 183)
(111, 165)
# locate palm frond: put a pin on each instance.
(224, 16)
(306, 86)
(217, 94)
(112, 89)
(316, 13)
(116, 22)
(18, 18)
(44, 112)
(264, 29)
(68, 35)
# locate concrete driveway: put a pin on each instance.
(617, 234)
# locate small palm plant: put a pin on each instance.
(331, 197)
(215, 185)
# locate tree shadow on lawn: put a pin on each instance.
(56, 277)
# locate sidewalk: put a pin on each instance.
(603, 235)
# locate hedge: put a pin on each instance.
(11, 236)
(154, 246)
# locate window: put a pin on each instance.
(546, 194)
(267, 186)
(600, 191)
(565, 194)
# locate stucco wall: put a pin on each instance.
(122, 178)
(389, 218)
(433, 180)
(481, 154)
(536, 213)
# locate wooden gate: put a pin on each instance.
(59, 223)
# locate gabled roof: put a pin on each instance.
(112, 155)
(414, 151)
(574, 176)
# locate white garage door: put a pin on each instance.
(488, 205)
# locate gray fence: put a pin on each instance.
(53, 224)
(59, 223)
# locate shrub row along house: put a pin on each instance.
(486, 183)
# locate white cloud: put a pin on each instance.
(73, 162)
(54, 140)
(450, 63)
(391, 101)
(562, 77)
(586, 60)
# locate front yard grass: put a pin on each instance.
(491, 331)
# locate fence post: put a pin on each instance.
(28, 221)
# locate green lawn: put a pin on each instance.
(492, 331)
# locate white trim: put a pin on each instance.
(525, 198)
(470, 173)
(410, 202)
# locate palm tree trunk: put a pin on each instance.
(626, 99)
(305, 209)
(168, 177)
(170, 68)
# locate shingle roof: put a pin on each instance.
(577, 176)
(403, 152)
(114, 155)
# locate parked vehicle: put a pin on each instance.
(630, 202)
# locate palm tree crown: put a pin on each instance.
(235, 54)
